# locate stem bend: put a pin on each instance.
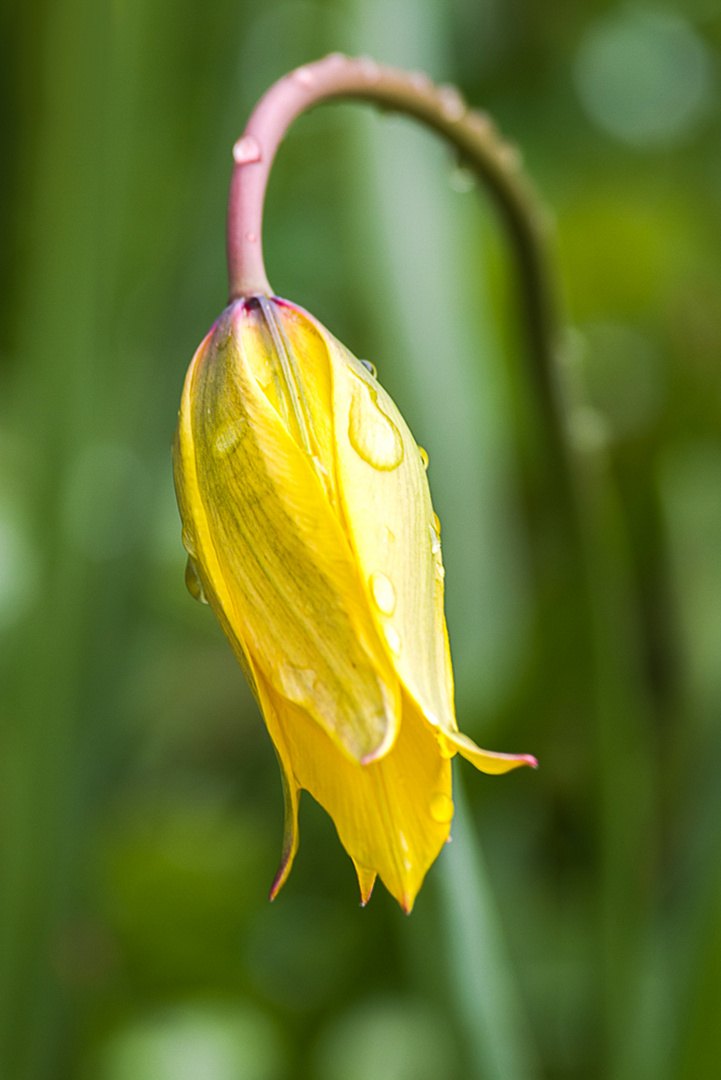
(472, 133)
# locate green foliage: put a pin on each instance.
(140, 806)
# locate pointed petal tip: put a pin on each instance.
(406, 901)
(367, 892)
(366, 881)
(278, 881)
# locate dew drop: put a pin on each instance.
(462, 179)
(452, 104)
(435, 538)
(440, 570)
(383, 592)
(369, 367)
(441, 808)
(193, 583)
(388, 535)
(437, 523)
(296, 683)
(229, 436)
(420, 80)
(188, 543)
(372, 434)
(393, 639)
(246, 151)
(481, 123)
(335, 58)
(447, 751)
(251, 237)
(424, 457)
(369, 69)
(510, 156)
(304, 76)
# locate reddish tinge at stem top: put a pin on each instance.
(338, 76)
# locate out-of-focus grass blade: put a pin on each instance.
(425, 283)
(486, 999)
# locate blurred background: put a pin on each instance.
(573, 930)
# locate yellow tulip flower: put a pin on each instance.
(310, 532)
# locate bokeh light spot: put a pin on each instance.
(625, 376)
(645, 77)
(388, 1039)
(228, 1041)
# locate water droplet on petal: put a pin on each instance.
(441, 808)
(383, 592)
(246, 150)
(251, 237)
(388, 535)
(319, 466)
(424, 457)
(435, 538)
(440, 570)
(335, 58)
(193, 583)
(447, 750)
(369, 367)
(437, 523)
(393, 639)
(453, 106)
(188, 543)
(229, 436)
(372, 434)
(297, 684)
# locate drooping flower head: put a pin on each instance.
(310, 532)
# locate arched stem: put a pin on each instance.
(478, 144)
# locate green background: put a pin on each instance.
(573, 929)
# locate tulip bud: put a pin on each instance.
(310, 532)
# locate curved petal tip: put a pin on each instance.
(487, 761)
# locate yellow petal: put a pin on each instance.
(286, 354)
(310, 531)
(277, 567)
(389, 518)
(392, 815)
(291, 838)
(487, 761)
(366, 881)
(391, 526)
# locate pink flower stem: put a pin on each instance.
(478, 145)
